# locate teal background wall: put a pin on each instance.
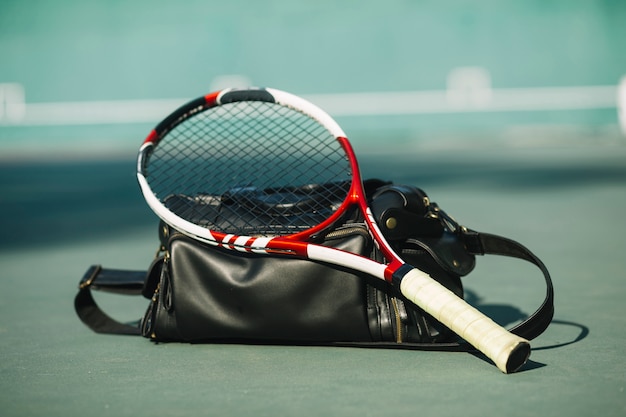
(90, 51)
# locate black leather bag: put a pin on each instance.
(202, 293)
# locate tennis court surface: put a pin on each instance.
(565, 204)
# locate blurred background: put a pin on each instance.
(91, 77)
(457, 92)
(506, 112)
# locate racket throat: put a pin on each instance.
(395, 274)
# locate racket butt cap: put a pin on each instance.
(518, 357)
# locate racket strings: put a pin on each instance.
(250, 168)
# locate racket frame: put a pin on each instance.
(296, 244)
(507, 351)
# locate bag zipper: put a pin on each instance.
(150, 316)
(398, 319)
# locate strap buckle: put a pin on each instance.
(448, 221)
(89, 277)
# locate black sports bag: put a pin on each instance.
(202, 293)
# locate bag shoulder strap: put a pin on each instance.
(109, 280)
(485, 243)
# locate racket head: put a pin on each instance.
(258, 145)
(262, 149)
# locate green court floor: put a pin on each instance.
(567, 205)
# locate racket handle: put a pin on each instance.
(508, 351)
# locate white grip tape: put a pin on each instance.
(508, 351)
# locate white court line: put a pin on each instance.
(16, 112)
(621, 103)
(99, 112)
(428, 102)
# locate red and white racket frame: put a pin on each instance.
(507, 351)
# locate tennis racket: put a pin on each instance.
(256, 148)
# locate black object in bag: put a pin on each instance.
(201, 293)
